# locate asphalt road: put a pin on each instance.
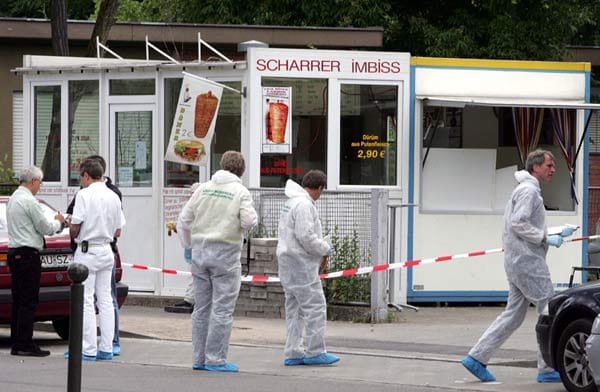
(419, 353)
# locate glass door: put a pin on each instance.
(133, 168)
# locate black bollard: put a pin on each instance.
(77, 273)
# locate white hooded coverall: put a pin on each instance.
(300, 251)
(525, 266)
(212, 223)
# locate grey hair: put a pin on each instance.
(233, 161)
(536, 158)
(31, 173)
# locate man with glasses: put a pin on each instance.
(27, 226)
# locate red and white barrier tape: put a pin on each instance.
(361, 270)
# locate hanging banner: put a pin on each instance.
(194, 123)
(277, 124)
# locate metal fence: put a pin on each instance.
(346, 217)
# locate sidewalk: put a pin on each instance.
(423, 348)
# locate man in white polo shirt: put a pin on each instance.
(97, 219)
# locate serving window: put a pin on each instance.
(308, 133)
(472, 153)
(47, 130)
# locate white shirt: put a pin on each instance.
(98, 211)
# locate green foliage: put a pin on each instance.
(501, 29)
(8, 179)
(76, 9)
(347, 255)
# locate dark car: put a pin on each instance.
(55, 283)
(562, 332)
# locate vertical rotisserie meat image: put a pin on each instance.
(206, 106)
(277, 122)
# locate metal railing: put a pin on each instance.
(346, 217)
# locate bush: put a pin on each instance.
(347, 255)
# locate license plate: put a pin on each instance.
(56, 261)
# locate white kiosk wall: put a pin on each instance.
(470, 219)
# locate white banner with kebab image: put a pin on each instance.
(277, 123)
(194, 122)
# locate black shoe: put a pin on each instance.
(36, 352)
(180, 307)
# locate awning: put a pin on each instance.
(461, 102)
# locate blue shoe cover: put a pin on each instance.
(84, 357)
(226, 367)
(477, 369)
(293, 361)
(197, 366)
(116, 351)
(549, 377)
(104, 356)
(322, 359)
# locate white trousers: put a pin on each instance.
(99, 261)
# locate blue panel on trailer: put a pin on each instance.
(457, 296)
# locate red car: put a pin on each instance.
(55, 283)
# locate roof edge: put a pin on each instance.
(501, 64)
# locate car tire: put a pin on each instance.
(571, 358)
(61, 327)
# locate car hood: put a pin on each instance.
(589, 286)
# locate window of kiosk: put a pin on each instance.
(84, 126)
(368, 134)
(472, 153)
(308, 133)
(226, 137)
(47, 130)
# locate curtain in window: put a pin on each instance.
(562, 124)
(528, 127)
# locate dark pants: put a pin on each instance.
(113, 289)
(26, 269)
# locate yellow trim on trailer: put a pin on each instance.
(500, 64)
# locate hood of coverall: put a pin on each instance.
(525, 176)
(293, 189)
(224, 177)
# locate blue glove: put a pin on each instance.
(330, 251)
(554, 240)
(187, 254)
(567, 231)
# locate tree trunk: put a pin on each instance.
(58, 20)
(107, 16)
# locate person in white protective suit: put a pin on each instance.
(301, 251)
(212, 223)
(525, 243)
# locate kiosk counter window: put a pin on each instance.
(47, 128)
(227, 134)
(308, 133)
(368, 134)
(84, 125)
(472, 153)
(83, 131)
